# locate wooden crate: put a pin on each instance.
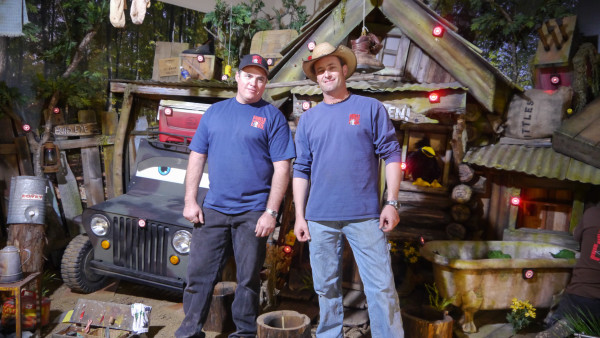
(200, 66)
(166, 60)
(269, 44)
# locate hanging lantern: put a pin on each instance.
(438, 31)
(50, 161)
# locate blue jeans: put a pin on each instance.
(208, 253)
(372, 256)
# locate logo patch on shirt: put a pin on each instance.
(258, 122)
(354, 119)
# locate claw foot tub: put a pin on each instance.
(462, 270)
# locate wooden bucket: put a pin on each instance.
(426, 323)
(285, 323)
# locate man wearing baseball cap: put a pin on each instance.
(248, 146)
(339, 143)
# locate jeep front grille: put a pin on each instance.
(141, 249)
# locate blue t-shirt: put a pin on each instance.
(242, 141)
(338, 148)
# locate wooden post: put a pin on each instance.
(109, 128)
(120, 140)
(90, 161)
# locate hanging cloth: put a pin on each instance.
(117, 14)
(13, 15)
(138, 10)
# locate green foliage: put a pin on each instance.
(584, 322)
(504, 29)
(297, 14)
(79, 90)
(435, 299)
(9, 95)
(564, 253)
(495, 254)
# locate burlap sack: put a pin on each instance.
(537, 113)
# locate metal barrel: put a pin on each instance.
(27, 203)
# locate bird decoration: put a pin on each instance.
(423, 166)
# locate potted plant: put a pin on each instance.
(429, 321)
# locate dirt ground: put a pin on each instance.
(167, 309)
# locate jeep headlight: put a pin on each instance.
(181, 241)
(99, 225)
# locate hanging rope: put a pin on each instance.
(364, 28)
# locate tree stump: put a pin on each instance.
(283, 324)
(32, 237)
(219, 317)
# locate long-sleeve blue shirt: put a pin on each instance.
(338, 147)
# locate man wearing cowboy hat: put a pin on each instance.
(248, 146)
(339, 143)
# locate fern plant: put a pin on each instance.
(436, 300)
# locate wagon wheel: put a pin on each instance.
(75, 267)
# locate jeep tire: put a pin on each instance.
(75, 266)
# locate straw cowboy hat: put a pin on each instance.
(325, 49)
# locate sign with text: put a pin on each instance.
(79, 129)
(168, 67)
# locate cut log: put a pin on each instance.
(456, 231)
(460, 213)
(461, 193)
(465, 173)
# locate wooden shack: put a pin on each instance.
(470, 93)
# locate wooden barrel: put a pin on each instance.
(219, 316)
(283, 324)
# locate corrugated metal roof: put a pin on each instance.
(378, 86)
(537, 161)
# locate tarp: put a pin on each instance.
(13, 15)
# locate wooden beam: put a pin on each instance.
(8, 149)
(175, 90)
(120, 138)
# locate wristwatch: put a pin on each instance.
(395, 204)
(272, 213)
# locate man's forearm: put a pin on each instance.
(300, 188)
(279, 184)
(193, 175)
(393, 179)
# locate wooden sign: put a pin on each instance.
(80, 129)
(168, 67)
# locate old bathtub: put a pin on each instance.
(462, 270)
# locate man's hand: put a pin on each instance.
(389, 218)
(193, 213)
(265, 225)
(301, 230)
